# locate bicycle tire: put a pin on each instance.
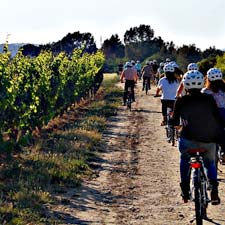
(129, 104)
(197, 198)
(167, 133)
(146, 88)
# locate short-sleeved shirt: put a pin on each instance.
(129, 74)
(168, 89)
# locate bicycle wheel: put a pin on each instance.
(129, 101)
(198, 198)
(173, 136)
(167, 133)
(146, 87)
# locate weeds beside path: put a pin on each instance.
(57, 160)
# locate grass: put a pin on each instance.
(56, 160)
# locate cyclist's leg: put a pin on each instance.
(164, 112)
(143, 84)
(132, 83)
(148, 82)
(209, 160)
(125, 92)
(183, 146)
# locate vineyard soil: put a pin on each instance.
(137, 176)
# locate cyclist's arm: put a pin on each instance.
(180, 89)
(122, 77)
(158, 89)
(136, 77)
(177, 112)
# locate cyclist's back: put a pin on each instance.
(200, 115)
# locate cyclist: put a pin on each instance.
(147, 74)
(168, 86)
(130, 76)
(180, 90)
(200, 128)
(215, 86)
(138, 68)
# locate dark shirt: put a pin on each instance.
(199, 116)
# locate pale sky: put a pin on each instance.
(199, 22)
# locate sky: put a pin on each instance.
(199, 22)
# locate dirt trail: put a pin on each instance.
(138, 176)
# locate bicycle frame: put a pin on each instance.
(199, 184)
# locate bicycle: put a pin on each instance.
(129, 99)
(199, 184)
(146, 86)
(171, 132)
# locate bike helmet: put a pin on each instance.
(161, 64)
(174, 64)
(214, 74)
(168, 60)
(168, 68)
(193, 79)
(192, 66)
(132, 62)
(128, 64)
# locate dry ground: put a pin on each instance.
(137, 177)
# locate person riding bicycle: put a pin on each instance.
(138, 68)
(147, 74)
(131, 77)
(180, 90)
(200, 128)
(168, 86)
(215, 86)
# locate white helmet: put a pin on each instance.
(168, 60)
(214, 74)
(174, 64)
(168, 68)
(147, 62)
(161, 64)
(128, 64)
(193, 79)
(192, 66)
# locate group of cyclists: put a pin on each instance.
(198, 103)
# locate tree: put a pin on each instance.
(138, 34)
(211, 52)
(113, 47)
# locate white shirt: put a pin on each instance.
(168, 89)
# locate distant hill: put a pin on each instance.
(13, 48)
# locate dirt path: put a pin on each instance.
(138, 176)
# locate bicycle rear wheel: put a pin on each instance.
(199, 211)
(173, 136)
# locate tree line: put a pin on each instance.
(140, 43)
